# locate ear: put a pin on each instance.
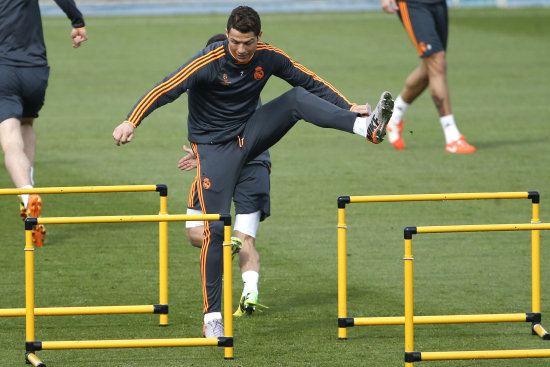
(259, 35)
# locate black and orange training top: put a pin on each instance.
(224, 93)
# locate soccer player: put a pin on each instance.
(426, 23)
(252, 205)
(24, 75)
(226, 129)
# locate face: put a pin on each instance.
(242, 45)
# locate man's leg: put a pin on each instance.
(415, 84)
(16, 158)
(18, 142)
(29, 141)
(249, 259)
(431, 72)
(427, 27)
(436, 65)
(195, 235)
(274, 119)
(217, 169)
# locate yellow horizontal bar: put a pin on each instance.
(486, 354)
(79, 189)
(441, 319)
(130, 343)
(483, 228)
(128, 218)
(86, 310)
(435, 197)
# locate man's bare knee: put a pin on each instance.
(195, 236)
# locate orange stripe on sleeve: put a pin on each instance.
(303, 69)
(182, 75)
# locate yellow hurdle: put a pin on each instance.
(33, 345)
(162, 307)
(344, 321)
(85, 189)
(412, 356)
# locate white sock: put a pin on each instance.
(360, 126)
(449, 128)
(25, 197)
(399, 108)
(212, 316)
(250, 280)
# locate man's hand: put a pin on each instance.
(389, 6)
(123, 133)
(188, 162)
(364, 110)
(78, 35)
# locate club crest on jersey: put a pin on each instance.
(225, 80)
(206, 183)
(258, 73)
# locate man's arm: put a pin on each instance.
(389, 6)
(124, 133)
(188, 162)
(69, 8)
(78, 34)
(298, 75)
(160, 95)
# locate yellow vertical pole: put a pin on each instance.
(227, 288)
(342, 281)
(409, 312)
(29, 284)
(535, 260)
(163, 259)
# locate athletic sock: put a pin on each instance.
(399, 108)
(360, 126)
(25, 197)
(250, 280)
(449, 128)
(212, 316)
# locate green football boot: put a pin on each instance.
(248, 304)
(236, 246)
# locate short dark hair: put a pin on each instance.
(216, 38)
(244, 19)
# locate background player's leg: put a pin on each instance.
(15, 157)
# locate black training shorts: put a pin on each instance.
(22, 91)
(426, 24)
(251, 191)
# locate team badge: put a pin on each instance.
(225, 79)
(206, 183)
(258, 73)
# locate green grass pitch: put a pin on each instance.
(499, 77)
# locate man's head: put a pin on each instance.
(244, 30)
(216, 38)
